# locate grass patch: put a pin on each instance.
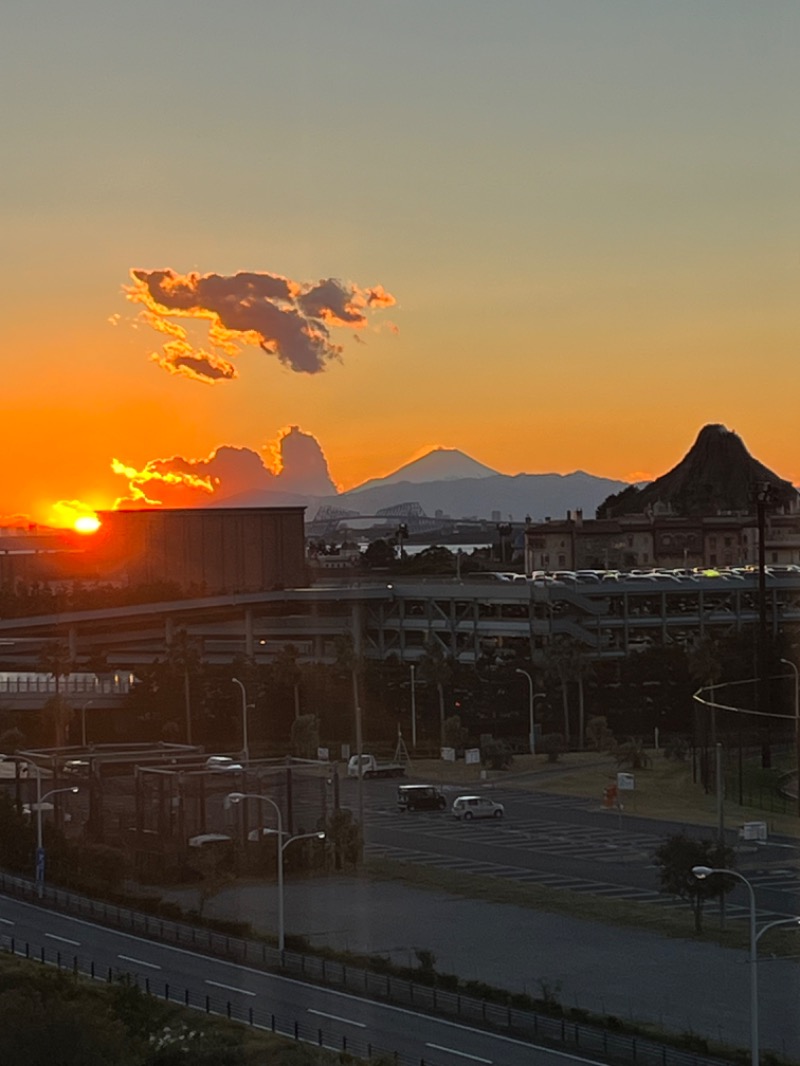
(676, 922)
(664, 790)
(134, 1028)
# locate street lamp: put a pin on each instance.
(531, 697)
(39, 864)
(40, 799)
(245, 736)
(237, 797)
(413, 707)
(83, 722)
(701, 873)
(793, 667)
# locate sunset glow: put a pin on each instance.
(86, 524)
(564, 239)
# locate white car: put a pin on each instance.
(469, 807)
(222, 762)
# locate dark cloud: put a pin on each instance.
(229, 472)
(288, 319)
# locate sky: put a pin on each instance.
(555, 235)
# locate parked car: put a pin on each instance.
(222, 762)
(469, 807)
(420, 798)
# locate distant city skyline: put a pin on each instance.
(554, 236)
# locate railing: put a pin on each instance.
(293, 1028)
(67, 686)
(522, 1023)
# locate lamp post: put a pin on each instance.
(531, 697)
(39, 862)
(413, 707)
(792, 666)
(701, 873)
(40, 799)
(245, 735)
(237, 797)
(83, 721)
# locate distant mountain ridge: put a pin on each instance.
(538, 496)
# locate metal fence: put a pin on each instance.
(327, 1037)
(522, 1023)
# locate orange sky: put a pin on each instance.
(586, 215)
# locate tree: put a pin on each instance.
(568, 663)
(676, 858)
(632, 754)
(378, 555)
(343, 833)
(286, 672)
(496, 753)
(305, 736)
(455, 735)
(598, 735)
(47, 1024)
(435, 667)
(184, 658)
(212, 863)
(54, 659)
(57, 715)
(552, 745)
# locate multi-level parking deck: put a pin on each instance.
(399, 617)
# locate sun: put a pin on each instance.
(86, 523)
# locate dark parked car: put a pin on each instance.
(420, 798)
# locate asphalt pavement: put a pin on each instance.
(683, 985)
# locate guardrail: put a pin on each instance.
(520, 1022)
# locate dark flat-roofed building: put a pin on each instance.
(216, 550)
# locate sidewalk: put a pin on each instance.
(682, 985)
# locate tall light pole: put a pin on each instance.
(531, 697)
(413, 707)
(701, 873)
(83, 722)
(39, 835)
(245, 735)
(793, 667)
(237, 797)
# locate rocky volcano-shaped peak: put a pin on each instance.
(718, 475)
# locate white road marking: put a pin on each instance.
(231, 988)
(334, 993)
(6, 921)
(64, 939)
(139, 962)
(462, 1054)
(337, 1018)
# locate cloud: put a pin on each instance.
(289, 319)
(294, 463)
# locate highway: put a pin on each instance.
(333, 1019)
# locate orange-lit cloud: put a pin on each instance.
(294, 463)
(285, 318)
(70, 514)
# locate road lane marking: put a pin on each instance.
(337, 1018)
(64, 939)
(332, 992)
(6, 921)
(230, 988)
(139, 962)
(462, 1054)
